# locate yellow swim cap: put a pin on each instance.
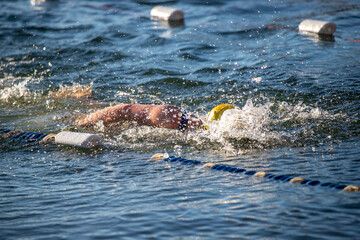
(217, 112)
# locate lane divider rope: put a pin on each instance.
(77, 139)
(264, 175)
(39, 138)
(27, 137)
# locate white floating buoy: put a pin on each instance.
(318, 27)
(167, 13)
(85, 140)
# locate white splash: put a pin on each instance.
(256, 79)
(300, 111)
(253, 126)
(16, 91)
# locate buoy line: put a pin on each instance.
(76, 139)
(175, 17)
(264, 175)
(88, 140)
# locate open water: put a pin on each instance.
(298, 105)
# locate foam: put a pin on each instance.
(15, 91)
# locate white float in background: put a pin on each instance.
(85, 140)
(318, 27)
(167, 13)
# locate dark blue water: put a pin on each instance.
(297, 98)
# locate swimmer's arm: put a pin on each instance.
(163, 116)
(106, 115)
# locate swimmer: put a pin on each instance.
(161, 116)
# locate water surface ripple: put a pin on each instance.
(297, 114)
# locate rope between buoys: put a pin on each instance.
(282, 178)
(28, 137)
(38, 138)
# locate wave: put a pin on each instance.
(173, 81)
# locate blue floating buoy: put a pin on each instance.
(226, 169)
(174, 159)
(215, 166)
(314, 183)
(250, 172)
(270, 176)
(231, 170)
(285, 178)
(325, 184)
(304, 181)
(239, 170)
(197, 162)
(186, 161)
(278, 177)
(340, 186)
